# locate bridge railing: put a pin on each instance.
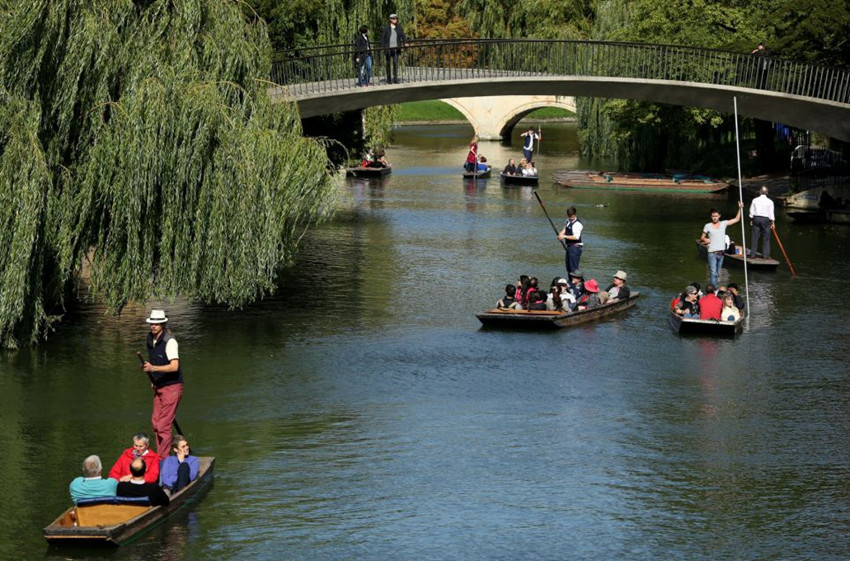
(327, 68)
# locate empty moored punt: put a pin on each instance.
(694, 326)
(479, 175)
(368, 172)
(675, 183)
(115, 521)
(757, 262)
(519, 179)
(532, 319)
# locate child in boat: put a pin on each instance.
(730, 311)
(482, 164)
(537, 300)
(509, 301)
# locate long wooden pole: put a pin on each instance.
(741, 199)
(563, 244)
(153, 383)
(790, 266)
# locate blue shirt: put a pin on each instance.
(168, 470)
(82, 488)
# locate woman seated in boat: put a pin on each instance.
(509, 300)
(688, 305)
(730, 311)
(554, 302)
(180, 468)
(590, 299)
(536, 300)
(378, 159)
(510, 169)
(522, 288)
(482, 164)
(532, 287)
(529, 170)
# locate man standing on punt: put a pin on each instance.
(762, 221)
(571, 233)
(163, 366)
(714, 234)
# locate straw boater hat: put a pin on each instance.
(157, 316)
(620, 275)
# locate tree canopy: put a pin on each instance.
(140, 135)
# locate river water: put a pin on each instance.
(362, 413)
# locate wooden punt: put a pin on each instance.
(673, 183)
(694, 326)
(118, 522)
(757, 262)
(479, 175)
(519, 179)
(530, 319)
(368, 172)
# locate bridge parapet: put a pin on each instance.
(331, 67)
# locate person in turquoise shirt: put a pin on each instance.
(91, 484)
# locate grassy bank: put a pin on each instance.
(439, 111)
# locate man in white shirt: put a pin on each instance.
(763, 221)
(714, 236)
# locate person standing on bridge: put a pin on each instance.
(363, 48)
(761, 53)
(528, 146)
(392, 40)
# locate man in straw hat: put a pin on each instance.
(163, 365)
(618, 289)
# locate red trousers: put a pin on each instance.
(165, 402)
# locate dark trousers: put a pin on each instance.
(761, 228)
(182, 477)
(392, 64)
(573, 257)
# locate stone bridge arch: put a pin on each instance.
(493, 117)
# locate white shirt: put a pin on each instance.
(577, 228)
(762, 206)
(170, 350)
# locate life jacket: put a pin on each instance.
(157, 357)
(568, 230)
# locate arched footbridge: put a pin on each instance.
(322, 79)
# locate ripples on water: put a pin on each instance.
(362, 413)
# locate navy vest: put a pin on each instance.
(569, 231)
(156, 356)
(507, 301)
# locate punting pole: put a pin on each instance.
(563, 244)
(790, 266)
(741, 199)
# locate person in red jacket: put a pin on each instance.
(140, 449)
(710, 305)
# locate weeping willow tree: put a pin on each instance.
(139, 135)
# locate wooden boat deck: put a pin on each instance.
(531, 319)
(116, 524)
(711, 327)
(757, 262)
(585, 179)
(479, 175)
(519, 179)
(368, 172)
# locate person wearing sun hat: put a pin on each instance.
(163, 366)
(591, 298)
(618, 289)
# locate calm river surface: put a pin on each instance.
(364, 414)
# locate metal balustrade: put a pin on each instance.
(328, 68)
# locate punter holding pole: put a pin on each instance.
(163, 367)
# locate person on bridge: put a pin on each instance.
(472, 157)
(528, 146)
(571, 233)
(761, 53)
(393, 40)
(762, 221)
(363, 50)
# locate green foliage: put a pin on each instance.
(378, 123)
(541, 19)
(143, 134)
(441, 19)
